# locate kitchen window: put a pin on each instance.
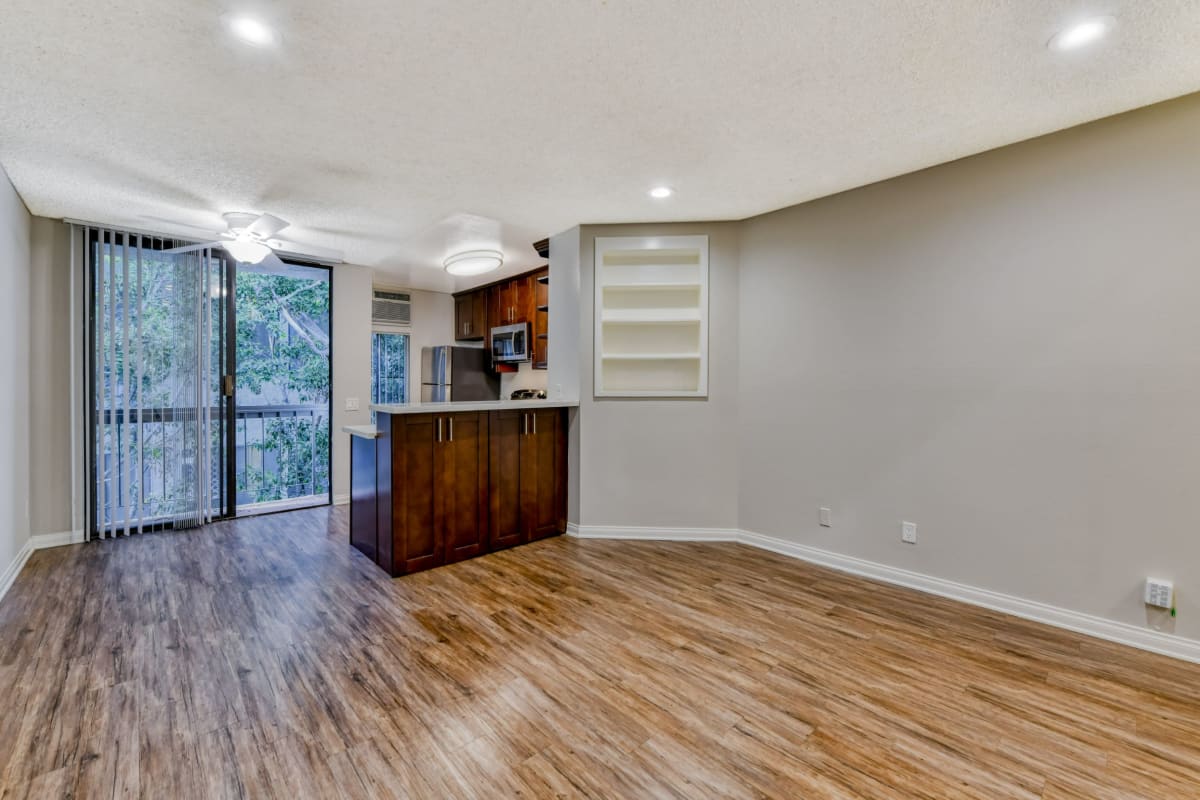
(389, 367)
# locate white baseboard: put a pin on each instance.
(341, 499)
(1110, 630)
(40, 541)
(14, 569)
(653, 534)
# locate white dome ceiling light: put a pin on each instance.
(1081, 34)
(247, 250)
(661, 192)
(473, 262)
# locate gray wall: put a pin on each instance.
(1004, 350)
(15, 225)
(50, 377)
(670, 463)
(351, 362)
(432, 324)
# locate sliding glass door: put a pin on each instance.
(158, 347)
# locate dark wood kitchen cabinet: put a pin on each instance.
(432, 489)
(527, 476)
(461, 501)
(523, 298)
(433, 501)
(470, 316)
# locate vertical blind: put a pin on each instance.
(154, 370)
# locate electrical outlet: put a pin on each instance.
(352, 404)
(825, 516)
(908, 532)
(1159, 593)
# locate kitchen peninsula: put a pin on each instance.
(435, 483)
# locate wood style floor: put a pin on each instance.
(266, 658)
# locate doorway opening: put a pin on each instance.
(281, 433)
(208, 385)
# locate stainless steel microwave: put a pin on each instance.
(510, 343)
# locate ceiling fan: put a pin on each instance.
(250, 239)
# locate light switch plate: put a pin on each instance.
(352, 404)
(825, 516)
(908, 532)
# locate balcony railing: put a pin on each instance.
(282, 455)
(281, 458)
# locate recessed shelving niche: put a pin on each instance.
(651, 316)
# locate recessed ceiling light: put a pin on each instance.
(473, 262)
(251, 31)
(661, 192)
(1081, 34)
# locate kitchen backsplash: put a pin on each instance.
(525, 378)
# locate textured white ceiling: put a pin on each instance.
(396, 131)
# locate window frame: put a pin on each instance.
(379, 330)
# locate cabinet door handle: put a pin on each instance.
(533, 416)
(524, 423)
(450, 421)
(439, 429)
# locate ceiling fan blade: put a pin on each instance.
(272, 262)
(191, 248)
(307, 251)
(266, 226)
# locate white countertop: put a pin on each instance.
(369, 431)
(365, 431)
(472, 405)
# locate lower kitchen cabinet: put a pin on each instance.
(436, 508)
(527, 476)
(461, 501)
(458, 485)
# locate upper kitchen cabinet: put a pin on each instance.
(470, 316)
(512, 301)
(651, 316)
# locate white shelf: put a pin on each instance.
(651, 316)
(650, 356)
(653, 285)
(630, 316)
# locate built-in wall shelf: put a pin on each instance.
(650, 356)
(657, 316)
(651, 316)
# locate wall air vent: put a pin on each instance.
(391, 308)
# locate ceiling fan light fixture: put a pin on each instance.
(247, 251)
(473, 262)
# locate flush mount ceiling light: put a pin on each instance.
(661, 192)
(1081, 34)
(250, 30)
(473, 262)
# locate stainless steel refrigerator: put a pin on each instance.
(457, 374)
